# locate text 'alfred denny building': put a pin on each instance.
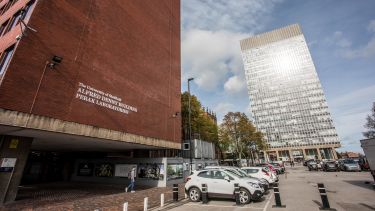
(286, 97)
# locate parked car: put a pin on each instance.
(307, 161)
(349, 165)
(312, 165)
(220, 184)
(330, 166)
(269, 166)
(239, 172)
(278, 168)
(260, 172)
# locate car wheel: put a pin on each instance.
(194, 194)
(244, 196)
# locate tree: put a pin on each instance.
(370, 124)
(203, 122)
(241, 134)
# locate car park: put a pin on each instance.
(349, 165)
(220, 184)
(260, 172)
(330, 166)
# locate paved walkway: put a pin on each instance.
(90, 197)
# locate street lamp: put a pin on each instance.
(191, 159)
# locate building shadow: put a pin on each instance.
(361, 183)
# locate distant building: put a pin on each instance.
(286, 97)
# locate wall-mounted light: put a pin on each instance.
(176, 114)
(55, 61)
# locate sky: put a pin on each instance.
(340, 36)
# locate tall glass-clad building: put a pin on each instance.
(287, 102)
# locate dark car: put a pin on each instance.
(312, 165)
(306, 161)
(330, 166)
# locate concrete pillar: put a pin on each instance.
(13, 150)
(334, 153)
(304, 154)
(319, 155)
(290, 155)
(277, 155)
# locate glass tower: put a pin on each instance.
(287, 102)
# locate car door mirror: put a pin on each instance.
(227, 178)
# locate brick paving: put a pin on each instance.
(82, 197)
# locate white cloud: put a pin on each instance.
(211, 31)
(235, 84)
(365, 51)
(350, 111)
(211, 56)
(371, 26)
(218, 15)
(339, 40)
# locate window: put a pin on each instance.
(26, 11)
(5, 59)
(13, 22)
(205, 174)
(252, 171)
(3, 26)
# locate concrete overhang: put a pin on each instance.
(58, 135)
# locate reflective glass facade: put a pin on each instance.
(287, 102)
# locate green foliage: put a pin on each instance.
(203, 123)
(238, 134)
(370, 124)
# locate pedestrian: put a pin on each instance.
(131, 176)
(292, 163)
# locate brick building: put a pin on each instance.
(86, 80)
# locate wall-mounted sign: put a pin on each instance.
(85, 169)
(13, 143)
(7, 164)
(104, 99)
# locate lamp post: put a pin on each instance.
(191, 158)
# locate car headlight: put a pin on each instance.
(254, 185)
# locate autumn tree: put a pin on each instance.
(370, 124)
(203, 122)
(241, 134)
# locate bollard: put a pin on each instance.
(175, 192)
(125, 206)
(277, 196)
(204, 194)
(162, 200)
(323, 195)
(237, 193)
(145, 204)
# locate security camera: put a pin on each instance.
(18, 37)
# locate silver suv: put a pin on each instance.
(220, 184)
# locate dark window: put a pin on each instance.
(13, 22)
(3, 26)
(205, 174)
(251, 171)
(5, 59)
(6, 7)
(26, 11)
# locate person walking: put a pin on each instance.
(131, 176)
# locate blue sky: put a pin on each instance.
(341, 39)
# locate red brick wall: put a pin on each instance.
(130, 49)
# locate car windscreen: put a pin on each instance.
(251, 171)
(349, 162)
(234, 172)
